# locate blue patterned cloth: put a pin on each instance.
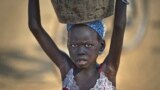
(95, 25)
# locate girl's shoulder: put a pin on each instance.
(109, 72)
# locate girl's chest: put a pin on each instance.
(96, 82)
(86, 82)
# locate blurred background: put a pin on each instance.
(24, 65)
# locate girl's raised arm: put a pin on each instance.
(58, 57)
(111, 62)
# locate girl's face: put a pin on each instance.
(83, 45)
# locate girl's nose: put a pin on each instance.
(81, 50)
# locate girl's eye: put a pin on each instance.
(74, 45)
(88, 45)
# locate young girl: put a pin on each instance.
(85, 42)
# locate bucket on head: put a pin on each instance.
(80, 11)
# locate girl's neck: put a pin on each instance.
(92, 69)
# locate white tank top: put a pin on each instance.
(102, 83)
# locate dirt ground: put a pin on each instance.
(24, 65)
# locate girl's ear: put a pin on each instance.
(102, 46)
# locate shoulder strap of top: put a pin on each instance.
(69, 82)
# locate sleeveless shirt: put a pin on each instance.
(101, 84)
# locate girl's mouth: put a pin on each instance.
(81, 62)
